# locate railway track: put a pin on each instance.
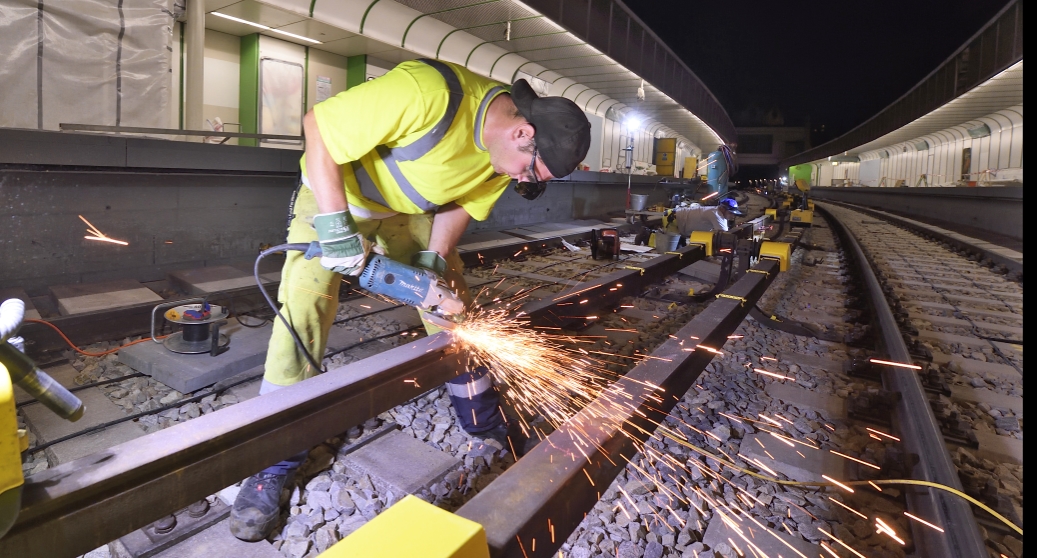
(723, 413)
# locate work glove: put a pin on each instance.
(428, 259)
(343, 249)
(440, 296)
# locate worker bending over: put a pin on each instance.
(403, 162)
(685, 220)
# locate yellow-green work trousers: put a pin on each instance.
(309, 293)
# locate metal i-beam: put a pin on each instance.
(561, 479)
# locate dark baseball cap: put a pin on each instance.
(563, 133)
(731, 205)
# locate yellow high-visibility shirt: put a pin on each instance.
(398, 109)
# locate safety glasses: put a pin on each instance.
(534, 188)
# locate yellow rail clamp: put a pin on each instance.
(413, 528)
(11, 446)
(802, 217)
(641, 269)
(678, 254)
(760, 271)
(781, 251)
(741, 300)
(705, 238)
(772, 212)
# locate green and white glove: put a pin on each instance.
(344, 249)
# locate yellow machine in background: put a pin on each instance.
(16, 368)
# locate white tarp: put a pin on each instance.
(100, 62)
(870, 172)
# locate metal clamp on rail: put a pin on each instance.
(760, 271)
(679, 255)
(641, 269)
(741, 299)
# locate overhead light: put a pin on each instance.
(980, 131)
(632, 121)
(265, 28)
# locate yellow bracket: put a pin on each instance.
(641, 269)
(415, 529)
(678, 254)
(760, 271)
(705, 238)
(781, 251)
(740, 299)
(12, 443)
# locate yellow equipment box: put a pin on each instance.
(772, 212)
(413, 528)
(12, 443)
(802, 217)
(691, 167)
(781, 251)
(705, 238)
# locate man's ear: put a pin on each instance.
(522, 133)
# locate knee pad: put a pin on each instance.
(475, 400)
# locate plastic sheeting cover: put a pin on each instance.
(103, 62)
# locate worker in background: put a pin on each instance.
(686, 219)
(403, 162)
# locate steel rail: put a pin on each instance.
(984, 249)
(548, 492)
(78, 506)
(919, 431)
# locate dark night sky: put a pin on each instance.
(833, 62)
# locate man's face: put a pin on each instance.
(513, 154)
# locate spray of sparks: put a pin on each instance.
(548, 374)
(96, 234)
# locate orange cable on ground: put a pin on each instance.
(82, 352)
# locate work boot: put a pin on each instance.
(258, 506)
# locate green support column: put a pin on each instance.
(356, 70)
(248, 89)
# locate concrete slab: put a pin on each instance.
(402, 463)
(791, 394)
(703, 270)
(217, 541)
(813, 361)
(18, 292)
(798, 462)
(994, 399)
(79, 298)
(957, 322)
(63, 374)
(615, 335)
(205, 280)
(643, 315)
(725, 528)
(996, 448)
(99, 409)
(941, 337)
(960, 364)
(188, 373)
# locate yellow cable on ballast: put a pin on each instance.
(666, 432)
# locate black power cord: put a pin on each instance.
(259, 282)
